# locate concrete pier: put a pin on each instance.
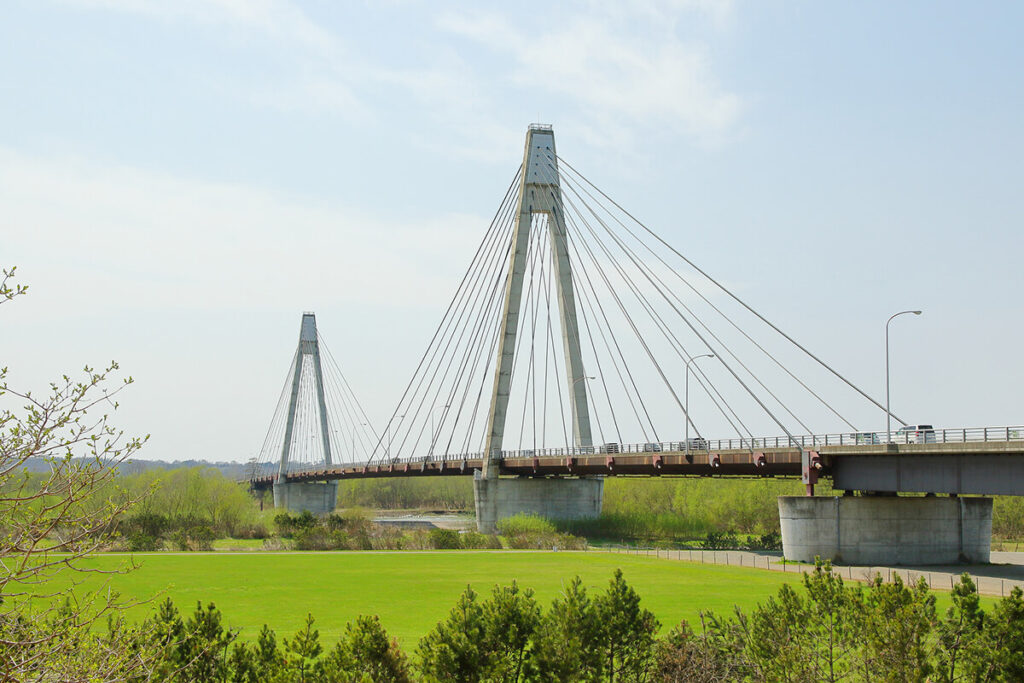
(557, 498)
(319, 497)
(886, 530)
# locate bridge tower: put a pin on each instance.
(540, 193)
(317, 497)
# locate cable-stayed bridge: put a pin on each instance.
(567, 353)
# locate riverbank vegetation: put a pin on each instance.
(191, 508)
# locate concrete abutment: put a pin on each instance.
(319, 497)
(563, 498)
(886, 530)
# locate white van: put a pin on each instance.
(915, 434)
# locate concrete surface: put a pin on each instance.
(559, 498)
(886, 530)
(317, 497)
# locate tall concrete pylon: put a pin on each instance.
(539, 193)
(308, 347)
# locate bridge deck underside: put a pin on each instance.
(766, 462)
(984, 468)
(980, 474)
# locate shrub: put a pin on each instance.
(445, 539)
(716, 540)
(288, 525)
(769, 541)
(321, 539)
(139, 542)
(285, 524)
(256, 529)
(197, 538)
(526, 531)
(474, 539)
(147, 524)
(524, 523)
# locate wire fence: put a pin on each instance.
(936, 580)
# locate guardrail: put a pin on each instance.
(809, 441)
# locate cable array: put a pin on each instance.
(645, 313)
(350, 436)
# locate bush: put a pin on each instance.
(476, 540)
(770, 541)
(445, 539)
(147, 524)
(196, 539)
(552, 541)
(139, 542)
(524, 523)
(716, 540)
(321, 539)
(256, 529)
(526, 531)
(289, 525)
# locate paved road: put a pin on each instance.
(996, 579)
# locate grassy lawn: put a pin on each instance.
(412, 591)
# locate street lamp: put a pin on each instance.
(686, 401)
(580, 379)
(888, 414)
(400, 417)
(354, 428)
(433, 435)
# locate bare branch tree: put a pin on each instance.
(51, 521)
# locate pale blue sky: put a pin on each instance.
(179, 181)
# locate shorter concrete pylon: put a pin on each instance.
(886, 530)
(317, 497)
(551, 498)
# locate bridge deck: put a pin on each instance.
(838, 460)
(735, 462)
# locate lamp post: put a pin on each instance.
(686, 401)
(354, 428)
(888, 413)
(400, 417)
(433, 435)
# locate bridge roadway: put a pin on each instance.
(955, 463)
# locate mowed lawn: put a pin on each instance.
(412, 591)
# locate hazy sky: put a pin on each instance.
(180, 180)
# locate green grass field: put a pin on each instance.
(412, 591)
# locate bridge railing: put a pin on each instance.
(808, 441)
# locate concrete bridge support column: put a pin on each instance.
(497, 498)
(319, 497)
(886, 530)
